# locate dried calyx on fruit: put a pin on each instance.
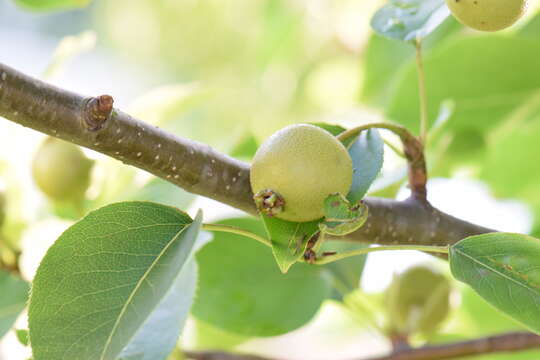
(295, 170)
(417, 301)
(61, 170)
(487, 15)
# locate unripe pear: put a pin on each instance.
(61, 170)
(487, 15)
(296, 169)
(418, 301)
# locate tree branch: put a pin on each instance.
(510, 342)
(197, 168)
(218, 355)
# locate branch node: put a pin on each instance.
(97, 111)
(414, 152)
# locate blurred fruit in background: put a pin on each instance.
(418, 301)
(61, 170)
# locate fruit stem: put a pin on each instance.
(237, 231)
(354, 132)
(422, 92)
(331, 258)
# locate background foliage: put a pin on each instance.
(247, 68)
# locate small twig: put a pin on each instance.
(237, 231)
(510, 342)
(217, 355)
(422, 92)
(343, 255)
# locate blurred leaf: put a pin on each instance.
(532, 28)
(462, 148)
(44, 5)
(106, 280)
(281, 32)
(504, 269)
(246, 148)
(68, 48)
(210, 337)
(177, 354)
(22, 336)
(163, 192)
(342, 217)
(165, 104)
(417, 301)
(331, 128)
(386, 60)
(445, 113)
(289, 239)
(409, 20)
(383, 61)
(476, 317)
(242, 291)
(367, 154)
(346, 273)
(12, 301)
(476, 92)
(367, 309)
(507, 165)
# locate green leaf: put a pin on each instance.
(44, 5)
(367, 154)
(532, 28)
(475, 317)
(242, 291)
(504, 269)
(210, 337)
(342, 217)
(345, 273)
(163, 192)
(385, 61)
(481, 99)
(409, 20)
(507, 165)
(159, 334)
(68, 48)
(103, 280)
(331, 128)
(289, 239)
(246, 148)
(22, 336)
(12, 301)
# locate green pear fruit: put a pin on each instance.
(61, 170)
(487, 15)
(418, 301)
(297, 168)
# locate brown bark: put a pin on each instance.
(91, 122)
